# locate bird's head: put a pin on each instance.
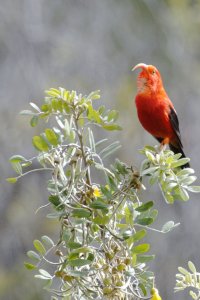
(149, 79)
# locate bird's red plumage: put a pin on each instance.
(153, 113)
(155, 110)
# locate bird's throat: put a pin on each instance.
(142, 86)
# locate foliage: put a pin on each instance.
(100, 252)
(163, 168)
(189, 279)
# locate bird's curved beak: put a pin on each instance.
(140, 65)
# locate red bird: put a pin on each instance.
(155, 110)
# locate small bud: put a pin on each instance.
(107, 290)
(107, 281)
(109, 255)
(119, 283)
(58, 273)
(121, 267)
(127, 261)
(114, 270)
(59, 253)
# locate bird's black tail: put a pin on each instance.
(179, 150)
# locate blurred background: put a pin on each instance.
(87, 45)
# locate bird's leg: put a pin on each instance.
(163, 145)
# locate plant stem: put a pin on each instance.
(80, 137)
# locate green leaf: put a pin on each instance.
(12, 179)
(17, 158)
(187, 180)
(139, 235)
(91, 257)
(25, 164)
(150, 156)
(33, 255)
(56, 215)
(81, 213)
(66, 236)
(34, 121)
(51, 136)
(72, 135)
(54, 199)
(144, 207)
(101, 220)
(176, 156)
(192, 267)
(182, 193)
(154, 178)
(35, 106)
(183, 271)
(112, 183)
(141, 248)
(93, 115)
(101, 167)
(168, 197)
(40, 144)
(66, 107)
(45, 273)
(193, 295)
(144, 221)
(99, 204)
(94, 95)
(144, 258)
(53, 92)
(113, 115)
(185, 171)
(91, 140)
(73, 245)
(45, 108)
(109, 149)
(79, 262)
(194, 189)
(150, 171)
(180, 162)
(41, 277)
(15, 162)
(106, 192)
(150, 148)
(54, 103)
(121, 167)
(169, 226)
(29, 266)
(82, 250)
(39, 247)
(60, 106)
(143, 289)
(111, 127)
(27, 113)
(47, 240)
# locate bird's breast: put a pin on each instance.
(153, 114)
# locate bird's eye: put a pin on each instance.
(153, 72)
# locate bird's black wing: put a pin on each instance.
(175, 124)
